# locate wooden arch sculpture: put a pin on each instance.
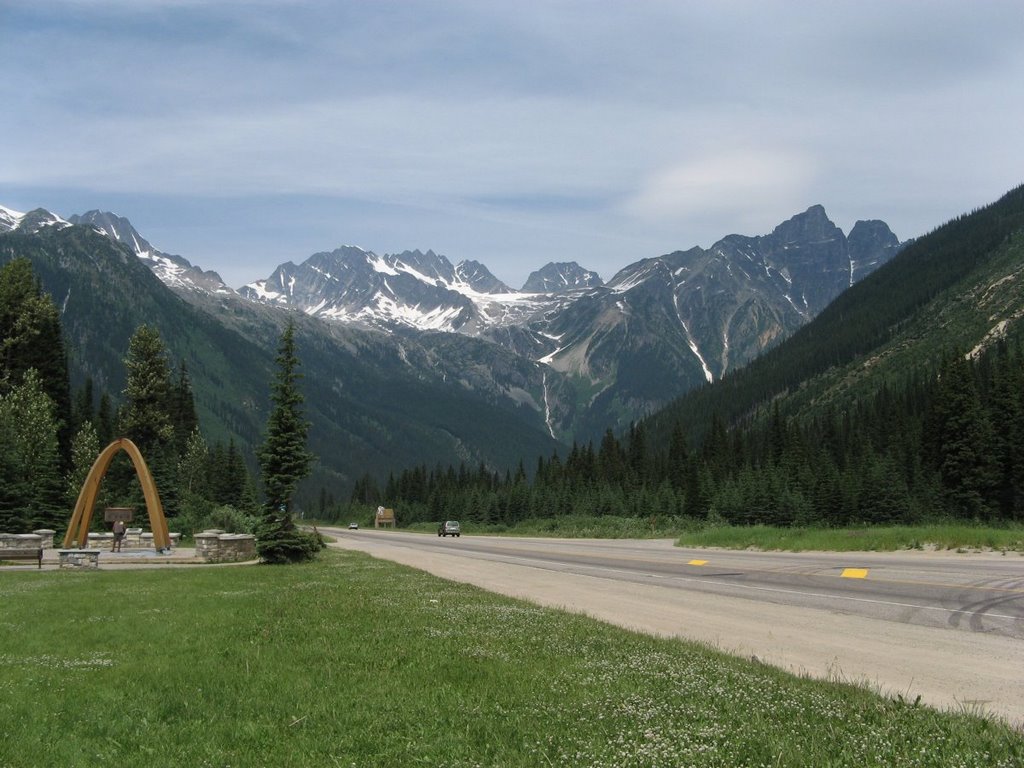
(78, 528)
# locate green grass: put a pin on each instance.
(350, 661)
(952, 536)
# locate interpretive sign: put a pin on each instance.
(384, 518)
(113, 514)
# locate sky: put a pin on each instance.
(242, 134)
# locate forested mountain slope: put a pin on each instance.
(957, 287)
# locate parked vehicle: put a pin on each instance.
(353, 526)
(449, 528)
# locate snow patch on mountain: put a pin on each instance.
(9, 219)
(32, 222)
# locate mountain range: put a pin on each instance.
(605, 353)
(411, 358)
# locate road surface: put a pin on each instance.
(946, 626)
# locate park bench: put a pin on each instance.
(24, 553)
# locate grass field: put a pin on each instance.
(950, 536)
(350, 661)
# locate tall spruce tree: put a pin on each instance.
(85, 447)
(284, 460)
(145, 417)
(182, 405)
(962, 442)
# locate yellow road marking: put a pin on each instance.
(698, 562)
(854, 573)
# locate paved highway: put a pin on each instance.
(944, 625)
(975, 593)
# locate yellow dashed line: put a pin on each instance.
(698, 562)
(854, 573)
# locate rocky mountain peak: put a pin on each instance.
(9, 219)
(871, 244)
(558, 277)
(31, 222)
(873, 233)
(115, 227)
(174, 271)
(813, 225)
(479, 278)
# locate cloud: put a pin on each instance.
(734, 181)
(550, 130)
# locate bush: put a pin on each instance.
(231, 520)
(278, 541)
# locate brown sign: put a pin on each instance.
(112, 514)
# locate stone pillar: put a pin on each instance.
(237, 547)
(207, 546)
(218, 547)
(46, 536)
(79, 559)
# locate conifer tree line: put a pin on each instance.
(948, 443)
(52, 436)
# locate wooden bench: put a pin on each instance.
(33, 553)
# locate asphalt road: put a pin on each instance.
(946, 626)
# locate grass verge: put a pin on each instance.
(350, 661)
(950, 536)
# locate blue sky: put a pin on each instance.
(243, 134)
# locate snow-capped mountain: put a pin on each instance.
(30, 222)
(659, 327)
(720, 307)
(9, 220)
(412, 289)
(175, 271)
(587, 355)
(560, 278)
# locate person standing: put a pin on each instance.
(119, 529)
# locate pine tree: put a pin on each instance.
(29, 425)
(962, 439)
(105, 420)
(83, 407)
(678, 457)
(85, 447)
(284, 460)
(196, 504)
(145, 417)
(182, 408)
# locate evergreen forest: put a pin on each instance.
(53, 435)
(948, 445)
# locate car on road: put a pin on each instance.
(353, 526)
(449, 528)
